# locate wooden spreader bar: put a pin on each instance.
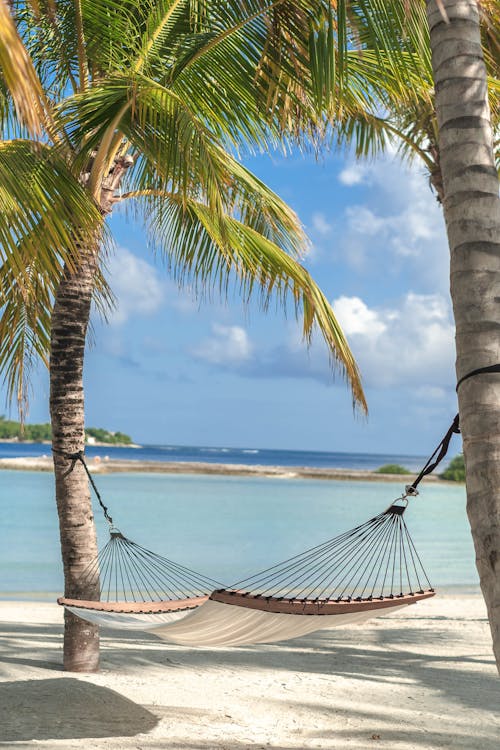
(143, 608)
(314, 607)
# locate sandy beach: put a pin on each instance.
(106, 465)
(419, 679)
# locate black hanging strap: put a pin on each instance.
(442, 448)
(436, 457)
(479, 371)
(80, 456)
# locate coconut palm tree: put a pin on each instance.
(454, 132)
(149, 102)
(472, 213)
(453, 128)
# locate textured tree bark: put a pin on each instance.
(472, 214)
(70, 319)
(77, 532)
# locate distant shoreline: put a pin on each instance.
(115, 466)
(16, 441)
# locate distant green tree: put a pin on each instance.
(8, 429)
(392, 469)
(455, 472)
(121, 437)
(37, 432)
(104, 436)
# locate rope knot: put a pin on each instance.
(77, 456)
(80, 456)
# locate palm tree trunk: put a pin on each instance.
(78, 539)
(472, 214)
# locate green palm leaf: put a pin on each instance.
(19, 74)
(212, 251)
(45, 214)
(24, 328)
(44, 209)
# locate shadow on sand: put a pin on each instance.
(395, 655)
(46, 709)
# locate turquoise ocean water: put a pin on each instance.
(225, 527)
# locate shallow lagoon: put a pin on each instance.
(225, 527)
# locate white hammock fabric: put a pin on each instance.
(219, 624)
(127, 620)
(216, 623)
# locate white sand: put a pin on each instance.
(420, 679)
(106, 465)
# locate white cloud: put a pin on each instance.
(408, 345)
(403, 233)
(400, 226)
(356, 317)
(362, 220)
(229, 345)
(411, 344)
(136, 285)
(139, 289)
(406, 231)
(430, 393)
(353, 174)
(321, 225)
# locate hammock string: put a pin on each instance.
(125, 571)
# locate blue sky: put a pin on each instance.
(168, 369)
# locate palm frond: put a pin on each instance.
(245, 67)
(242, 194)
(301, 51)
(160, 22)
(114, 31)
(211, 251)
(24, 327)
(176, 147)
(19, 74)
(252, 53)
(350, 56)
(49, 33)
(43, 209)
(489, 13)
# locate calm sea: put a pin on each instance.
(224, 455)
(225, 527)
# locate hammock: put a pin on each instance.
(370, 570)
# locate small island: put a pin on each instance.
(98, 436)
(13, 432)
